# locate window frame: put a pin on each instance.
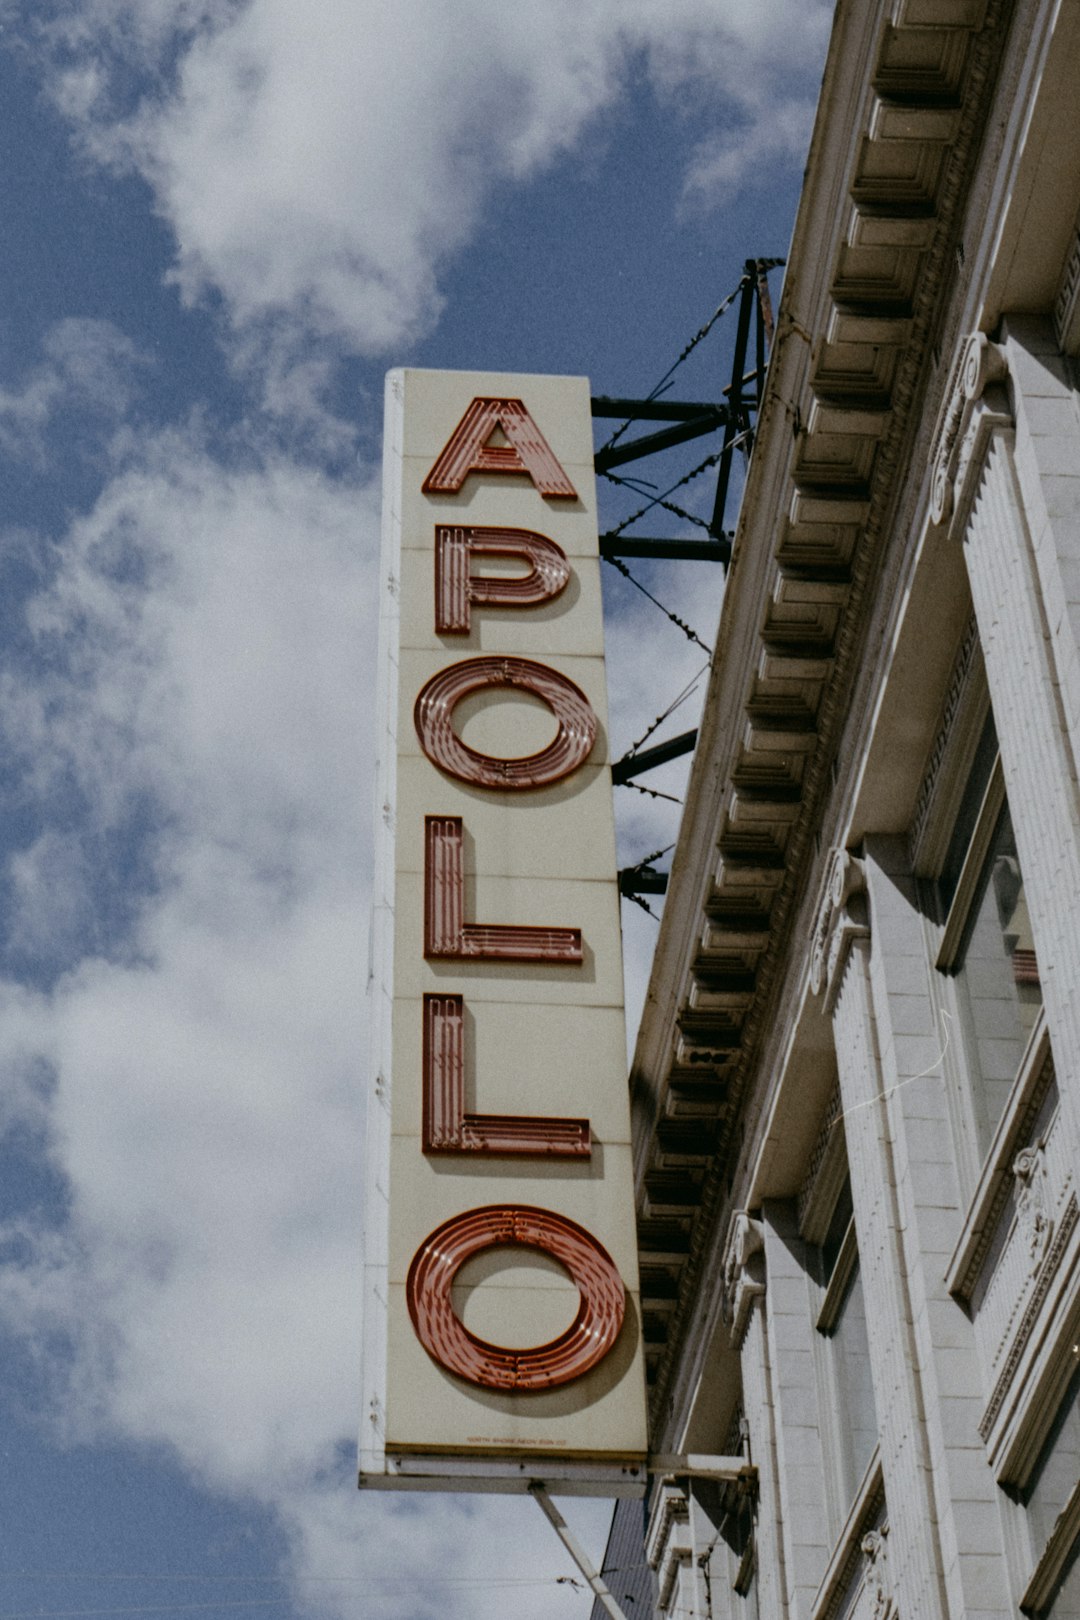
(968, 885)
(829, 1287)
(957, 756)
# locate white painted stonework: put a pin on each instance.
(879, 1276)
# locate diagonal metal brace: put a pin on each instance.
(577, 1552)
(647, 444)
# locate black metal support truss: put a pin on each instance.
(690, 420)
(737, 427)
(651, 410)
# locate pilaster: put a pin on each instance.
(744, 1299)
(929, 1212)
(845, 980)
(790, 1330)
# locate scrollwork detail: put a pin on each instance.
(744, 1271)
(842, 918)
(1032, 1203)
(976, 402)
(876, 1576)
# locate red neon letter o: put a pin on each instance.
(448, 1341)
(571, 747)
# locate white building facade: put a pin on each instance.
(856, 1089)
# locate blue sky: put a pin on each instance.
(223, 221)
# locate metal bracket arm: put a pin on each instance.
(700, 1465)
(716, 549)
(655, 410)
(649, 758)
(577, 1552)
(642, 880)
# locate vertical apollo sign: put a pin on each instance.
(502, 1337)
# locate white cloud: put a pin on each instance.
(205, 632)
(24, 1095)
(88, 364)
(202, 688)
(50, 907)
(768, 135)
(203, 684)
(318, 165)
(200, 709)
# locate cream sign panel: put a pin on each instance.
(503, 1181)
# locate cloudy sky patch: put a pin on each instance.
(227, 220)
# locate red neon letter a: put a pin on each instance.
(526, 451)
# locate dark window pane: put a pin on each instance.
(985, 755)
(858, 1414)
(1056, 1474)
(997, 975)
(834, 1237)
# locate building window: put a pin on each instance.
(1052, 1510)
(987, 946)
(849, 1390)
(736, 1533)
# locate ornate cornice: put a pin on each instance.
(843, 917)
(852, 361)
(825, 1172)
(988, 1206)
(667, 1545)
(858, 1561)
(1033, 1214)
(967, 657)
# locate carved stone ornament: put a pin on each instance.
(876, 1575)
(843, 917)
(977, 404)
(1032, 1204)
(744, 1271)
